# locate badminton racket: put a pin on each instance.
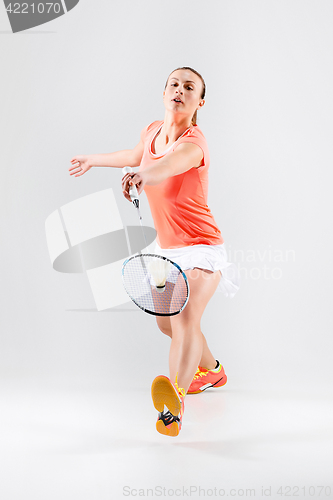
(154, 283)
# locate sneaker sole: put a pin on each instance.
(219, 383)
(170, 430)
(164, 393)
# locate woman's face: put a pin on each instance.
(183, 92)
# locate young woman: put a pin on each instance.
(174, 162)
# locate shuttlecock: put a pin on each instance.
(159, 270)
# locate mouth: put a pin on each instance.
(176, 99)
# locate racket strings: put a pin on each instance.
(140, 286)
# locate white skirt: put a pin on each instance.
(211, 257)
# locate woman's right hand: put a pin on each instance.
(80, 165)
(125, 185)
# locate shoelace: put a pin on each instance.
(200, 372)
(180, 389)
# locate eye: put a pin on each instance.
(189, 87)
(173, 84)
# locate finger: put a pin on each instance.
(127, 177)
(135, 180)
(75, 170)
(127, 196)
(75, 165)
(125, 186)
(127, 182)
(80, 172)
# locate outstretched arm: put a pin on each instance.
(127, 157)
(186, 156)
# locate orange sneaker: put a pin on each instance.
(204, 378)
(168, 400)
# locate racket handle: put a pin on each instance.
(135, 198)
(132, 189)
(127, 170)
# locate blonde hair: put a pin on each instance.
(194, 117)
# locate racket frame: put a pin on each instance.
(174, 264)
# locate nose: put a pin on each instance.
(179, 91)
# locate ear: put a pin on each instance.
(201, 103)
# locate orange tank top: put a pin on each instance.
(179, 204)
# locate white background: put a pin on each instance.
(89, 82)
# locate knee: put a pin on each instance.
(167, 331)
(164, 324)
(188, 319)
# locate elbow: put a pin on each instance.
(131, 159)
(134, 158)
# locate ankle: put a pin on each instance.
(211, 366)
(181, 390)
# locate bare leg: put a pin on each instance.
(207, 359)
(188, 343)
